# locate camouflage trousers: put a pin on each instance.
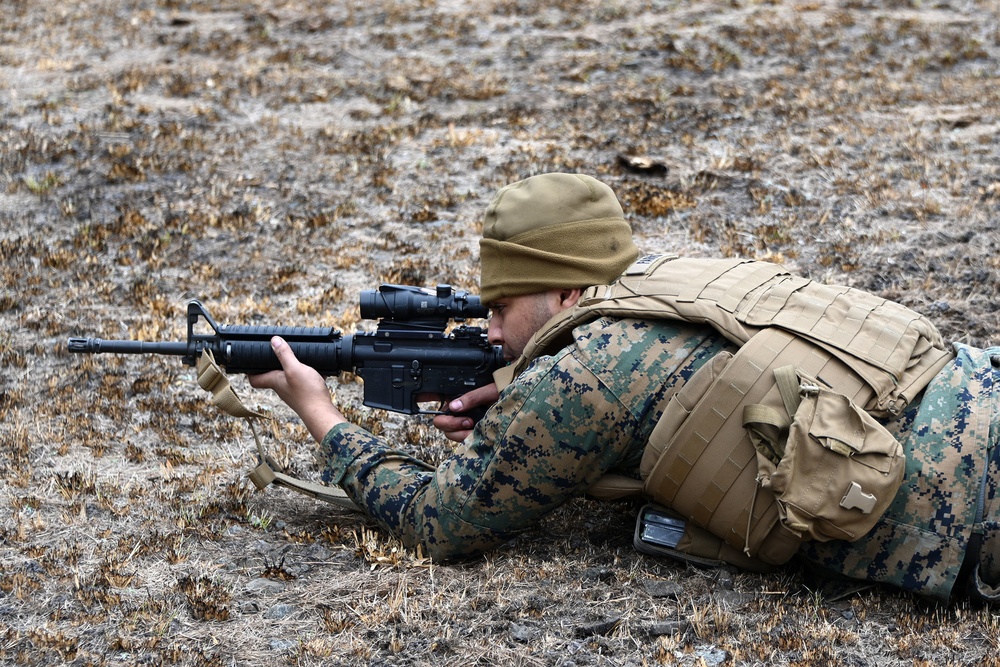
(941, 535)
(984, 558)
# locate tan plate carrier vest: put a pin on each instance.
(766, 448)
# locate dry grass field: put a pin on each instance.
(273, 159)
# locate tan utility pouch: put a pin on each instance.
(832, 467)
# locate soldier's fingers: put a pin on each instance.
(478, 397)
(449, 423)
(269, 380)
(283, 351)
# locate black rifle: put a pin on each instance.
(409, 353)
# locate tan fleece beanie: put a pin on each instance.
(552, 231)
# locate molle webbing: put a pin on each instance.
(894, 349)
(700, 460)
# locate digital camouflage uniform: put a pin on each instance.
(589, 409)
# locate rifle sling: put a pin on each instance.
(268, 471)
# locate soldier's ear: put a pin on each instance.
(569, 297)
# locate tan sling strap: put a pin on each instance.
(268, 471)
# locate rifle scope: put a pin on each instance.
(407, 303)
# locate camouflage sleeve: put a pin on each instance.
(563, 423)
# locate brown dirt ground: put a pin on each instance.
(275, 158)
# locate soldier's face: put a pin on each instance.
(514, 320)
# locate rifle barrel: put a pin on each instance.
(96, 345)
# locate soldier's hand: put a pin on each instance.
(457, 426)
(302, 388)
